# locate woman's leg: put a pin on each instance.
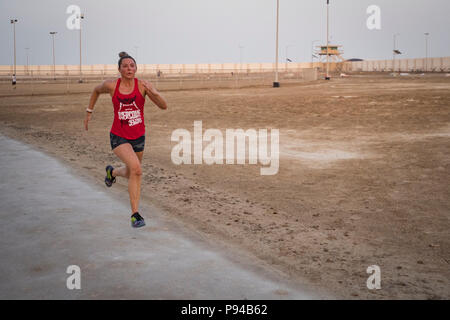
(133, 172)
(123, 170)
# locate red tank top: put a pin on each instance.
(128, 113)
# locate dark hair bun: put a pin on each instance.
(123, 54)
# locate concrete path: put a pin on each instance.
(51, 219)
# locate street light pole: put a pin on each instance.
(393, 56)
(81, 78)
(240, 57)
(426, 50)
(312, 52)
(53, 39)
(328, 56)
(276, 84)
(28, 67)
(136, 50)
(287, 54)
(287, 48)
(14, 21)
(394, 53)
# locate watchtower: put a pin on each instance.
(335, 55)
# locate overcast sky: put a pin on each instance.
(211, 31)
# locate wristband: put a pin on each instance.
(89, 110)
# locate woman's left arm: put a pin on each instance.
(154, 95)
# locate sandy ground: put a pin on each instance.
(363, 180)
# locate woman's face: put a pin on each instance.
(127, 68)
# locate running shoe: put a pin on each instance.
(137, 221)
(109, 179)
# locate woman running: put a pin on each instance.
(127, 133)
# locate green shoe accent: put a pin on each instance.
(109, 179)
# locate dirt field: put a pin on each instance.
(363, 179)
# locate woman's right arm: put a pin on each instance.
(104, 87)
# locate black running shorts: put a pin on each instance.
(137, 144)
